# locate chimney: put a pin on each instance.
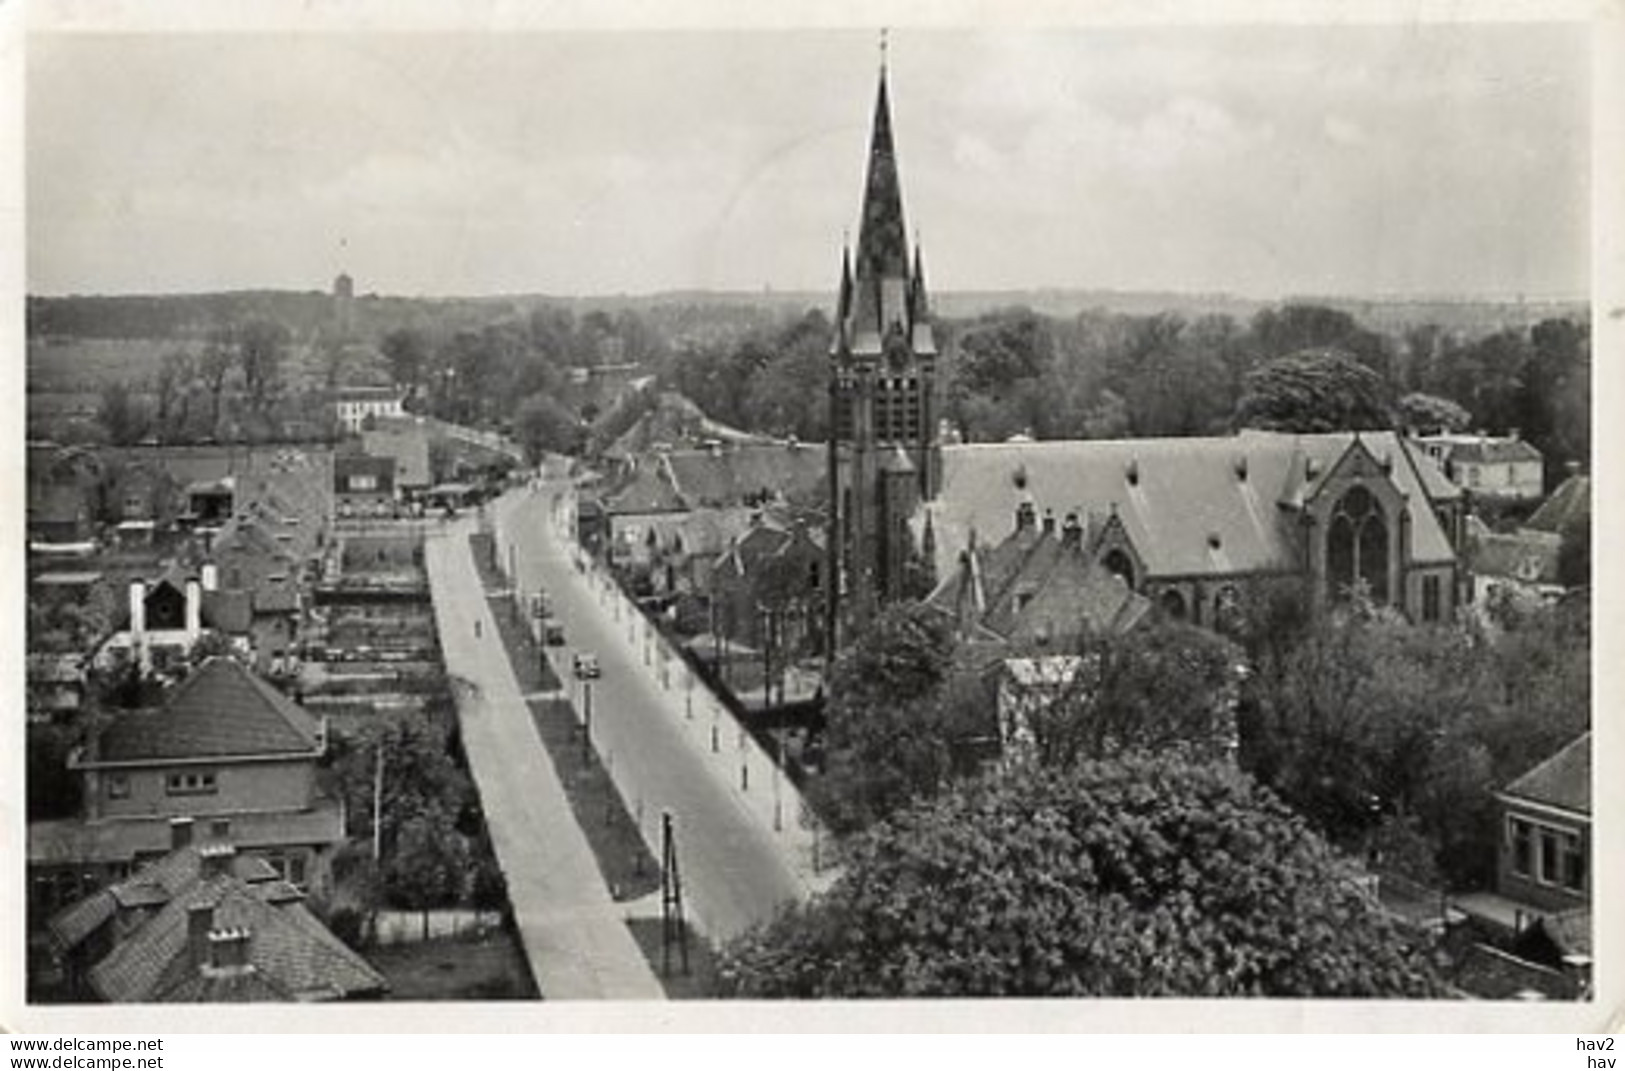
(211, 576)
(138, 624)
(1049, 522)
(180, 833)
(216, 859)
(199, 921)
(1512, 433)
(1072, 531)
(228, 949)
(1026, 514)
(194, 611)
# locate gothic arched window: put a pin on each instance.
(1173, 604)
(1116, 561)
(1357, 547)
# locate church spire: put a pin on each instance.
(882, 261)
(918, 306)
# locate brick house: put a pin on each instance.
(204, 924)
(227, 750)
(1545, 851)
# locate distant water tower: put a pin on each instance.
(344, 304)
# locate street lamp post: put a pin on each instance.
(586, 721)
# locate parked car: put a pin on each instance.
(538, 604)
(586, 666)
(553, 634)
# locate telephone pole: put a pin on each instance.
(673, 929)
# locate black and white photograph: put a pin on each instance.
(888, 510)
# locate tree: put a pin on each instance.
(1364, 719)
(1313, 391)
(1431, 413)
(214, 366)
(407, 351)
(260, 350)
(1166, 686)
(172, 389)
(543, 426)
(121, 415)
(1136, 877)
(429, 863)
(888, 736)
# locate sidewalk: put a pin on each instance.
(574, 935)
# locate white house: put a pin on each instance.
(353, 405)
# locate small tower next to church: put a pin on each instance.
(883, 453)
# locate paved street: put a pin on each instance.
(736, 869)
(573, 933)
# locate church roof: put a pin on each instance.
(1191, 507)
(1036, 583)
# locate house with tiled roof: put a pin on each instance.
(204, 924)
(1522, 565)
(1569, 505)
(225, 748)
(1545, 852)
(1193, 523)
(772, 575)
(1490, 466)
(1041, 586)
(693, 496)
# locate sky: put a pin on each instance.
(1258, 161)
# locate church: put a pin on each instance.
(1189, 524)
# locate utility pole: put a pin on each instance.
(378, 803)
(672, 926)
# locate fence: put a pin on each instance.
(408, 927)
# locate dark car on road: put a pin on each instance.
(586, 666)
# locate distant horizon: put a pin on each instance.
(788, 293)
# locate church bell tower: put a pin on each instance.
(883, 454)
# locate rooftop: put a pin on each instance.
(1562, 781)
(222, 710)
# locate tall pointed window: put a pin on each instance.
(1357, 547)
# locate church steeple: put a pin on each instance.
(882, 268)
(883, 451)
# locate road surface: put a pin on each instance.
(574, 936)
(737, 871)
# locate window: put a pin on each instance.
(1574, 863)
(118, 786)
(1357, 547)
(1547, 854)
(191, 783)
(1173, 604)
(1116, 561)
(1430, 598)
(1550, 842)
(289, 866)
(812, 575)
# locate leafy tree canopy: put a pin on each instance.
(1431, 413)
(1137, 877)
(1313, 390)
